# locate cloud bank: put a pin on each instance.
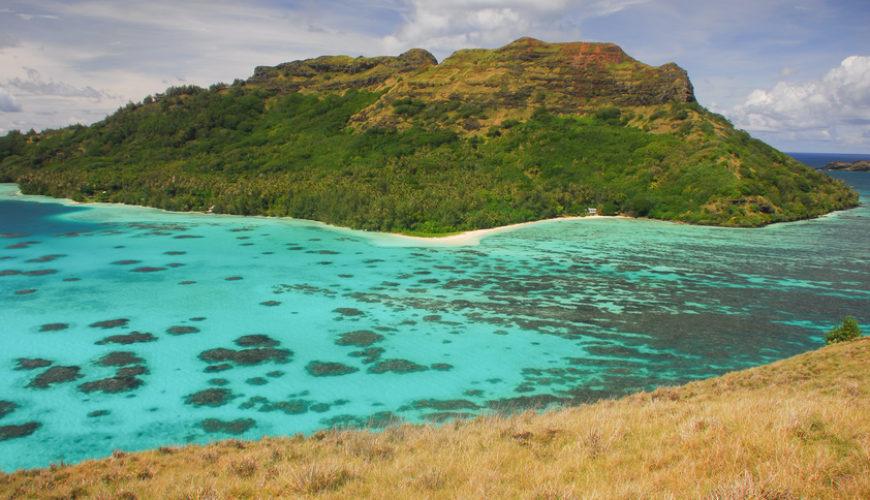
(35, 85)
(8, 102)
(448, 25)
(836, 106)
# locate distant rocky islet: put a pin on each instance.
(844, 166)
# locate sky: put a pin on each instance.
(795, 73)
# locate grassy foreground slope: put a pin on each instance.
(798, 428)
(404, 144)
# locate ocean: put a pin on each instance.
(132, 328)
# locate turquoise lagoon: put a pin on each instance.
(132, 328)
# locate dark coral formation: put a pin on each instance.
(16, 431)
(275, 374)
(40, 272)
(234, 278)
(320, 407)
(112, 385)
(220, 382)
(27, 291)
(452, 404)
(270, 303)
(257, 340)
(218, 368)
(32, 364)
(359, 338)
(126, 262)
(379, 420)
(294, 407)
(112, 323)
(99, 413)
(199, 318)
(321, 369)
(182, 330)
(256, 381)
(55, 375)
(348, 311)
(174, 264)
(23, 244)
(187, 283)
(442, 367)
(246, 357)
(175, 253)
(9, 272)
(213, 425)
(52, 327)
(396, 366)
(148, 269)
(369, 355)
(210, 397)
(119, 358)
(187, 237)
(7, 407)
(132, 338)
(47, 258)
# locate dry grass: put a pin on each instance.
(796, 429)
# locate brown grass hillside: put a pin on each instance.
(799, 428)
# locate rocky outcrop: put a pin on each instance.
(526, 73)
(842, 166)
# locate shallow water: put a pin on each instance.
(561, 312)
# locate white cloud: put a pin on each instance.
(7, 42)
(834, 107)
(448, 25)
(35, 85)
(788, 72)
(8, 102)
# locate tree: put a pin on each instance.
(848, 330)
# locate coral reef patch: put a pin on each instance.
(396, 366)
(256, 340)
(359, 338)
(213, 425)
(369, 355)
(32, 363)
(119, 358)
(132, 338)
(7, 407)
(52, 327)
(246, 357)
(210, 397)
(112, 323)
(182, 330)
(16, 431)
(322, 369)
(55, 375)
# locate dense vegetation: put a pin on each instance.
(436, 165)
(844, 332)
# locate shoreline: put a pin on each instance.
(470, 238)
(474, 236)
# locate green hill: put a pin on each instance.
(485, 138)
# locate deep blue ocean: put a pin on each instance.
(819, 160)
(132, 328)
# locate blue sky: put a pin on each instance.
(793, 73)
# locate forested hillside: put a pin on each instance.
(404, 144)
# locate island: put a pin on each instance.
(844, 166)
(405, 144)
